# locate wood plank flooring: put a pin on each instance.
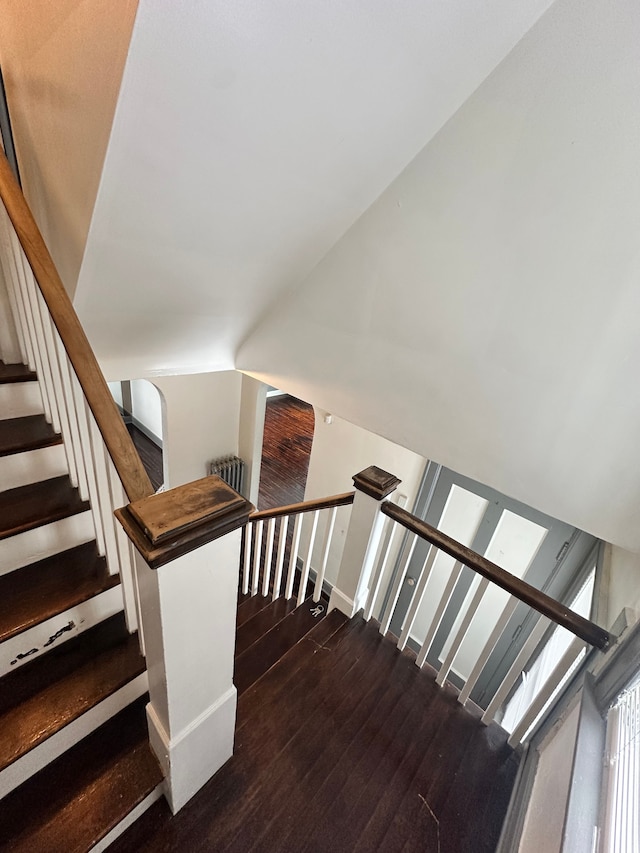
(286, 448)
(344, 745)
(150, 455)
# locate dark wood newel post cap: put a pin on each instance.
(172, 523)
(375, 482)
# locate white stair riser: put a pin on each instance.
(32, 466)
(46, 752)
(20, 399)
(30, 644)
(44, 541)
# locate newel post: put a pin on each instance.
(188, 544)
(363, 539)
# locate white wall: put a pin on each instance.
(544, 821)
(116, 392)
(339, 451)
(253, 401)
(483, 311)
(200, 422)
(622, 570)
(248, 137)
(62, 63)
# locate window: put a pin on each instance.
(621, 829)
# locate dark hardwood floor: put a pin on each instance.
(344, 745)
(150, 455)
(288, 435)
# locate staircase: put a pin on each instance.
(72, 679)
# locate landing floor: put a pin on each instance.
(345, 745)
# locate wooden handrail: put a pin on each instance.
(345, 499)
(125, 457)
(558, 613)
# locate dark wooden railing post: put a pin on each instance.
(363, 538)
(188, 539)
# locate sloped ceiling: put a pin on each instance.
(484, 311)
(248, 137)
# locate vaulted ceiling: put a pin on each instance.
(248, 137)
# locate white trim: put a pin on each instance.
(34, 760)
(145, 430)
(195, 754)
(340, 601)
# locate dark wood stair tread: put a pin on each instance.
(41, 697)
(41, 590)
(40, 503)
(15, 373)
(74, 802)
(28, 433)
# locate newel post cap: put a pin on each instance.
(167, 525)
(375, 482)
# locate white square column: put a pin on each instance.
(188, 598)
(362, 541)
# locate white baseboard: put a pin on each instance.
(192, 757)
(46, 752)
(146, 431)
(339, 601)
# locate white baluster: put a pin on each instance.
(418, 595)
(461, 633)
(268, 556)
(44, 375)
(58, 390)
(85, 443)
(12, 285)
(257, 549)
(516, 668)
(127, 572)
(246, 569)
(282, 545)
(489, 646)
(387, 616)
(35, 362)
(326, 547)
(306, 565)
(560, 670)
(442, 605)
(65, 371)
(293, 557)
(104, 497)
